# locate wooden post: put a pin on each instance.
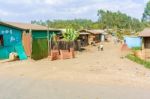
(48, 40)
(30, 32)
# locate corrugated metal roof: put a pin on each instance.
(145, 33)
(93, 31)
(84, 33)
(26, 26)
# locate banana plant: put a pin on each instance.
(70, 36)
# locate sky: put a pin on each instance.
(27, 10)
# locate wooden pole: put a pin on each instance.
(30, 32)
(48, 40)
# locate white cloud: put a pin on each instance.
(3, 13)
(26, 10)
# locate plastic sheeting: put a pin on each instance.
(133, 41)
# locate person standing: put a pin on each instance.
(101, 47)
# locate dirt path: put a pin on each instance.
(100, 71)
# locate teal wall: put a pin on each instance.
(39, 34)
(40, 44)
(11, 37)
(42, 34)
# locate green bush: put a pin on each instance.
(138, 60)
(39, 49)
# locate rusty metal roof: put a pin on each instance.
(26, 26)
(145, 33)
(93, 31)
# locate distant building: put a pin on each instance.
(91, 36)
(145, 34)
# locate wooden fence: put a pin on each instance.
(63, 45)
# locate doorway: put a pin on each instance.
(1, 40)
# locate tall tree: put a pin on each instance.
(118, 20)
(76, 23)
(146, 14)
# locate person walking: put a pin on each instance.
(101, 47)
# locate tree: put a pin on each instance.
(111, 20)
(70, 36)
(77, 24)
(146, 14)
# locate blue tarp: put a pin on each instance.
(133, 41)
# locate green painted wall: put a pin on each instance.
(42, 34)
(40, 44)
(39, 34)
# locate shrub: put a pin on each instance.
(136, 48)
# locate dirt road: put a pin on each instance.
(91, 75)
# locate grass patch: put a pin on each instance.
(138, 60)
(136, 48)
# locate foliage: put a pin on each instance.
(39, 49)
(146, 14)
(76, 23)
(138, 60)
(70, 35)
(136, 48)
(113, 20)
(120, 23)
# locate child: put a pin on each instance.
(101, 47)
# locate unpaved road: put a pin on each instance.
(92, 75)
(21, 88)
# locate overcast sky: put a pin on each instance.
(27, 10)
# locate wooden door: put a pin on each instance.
(147, 42)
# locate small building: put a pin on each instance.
(34, 39)
(91, 36)
(145, 34)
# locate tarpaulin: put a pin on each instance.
(133, 41)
